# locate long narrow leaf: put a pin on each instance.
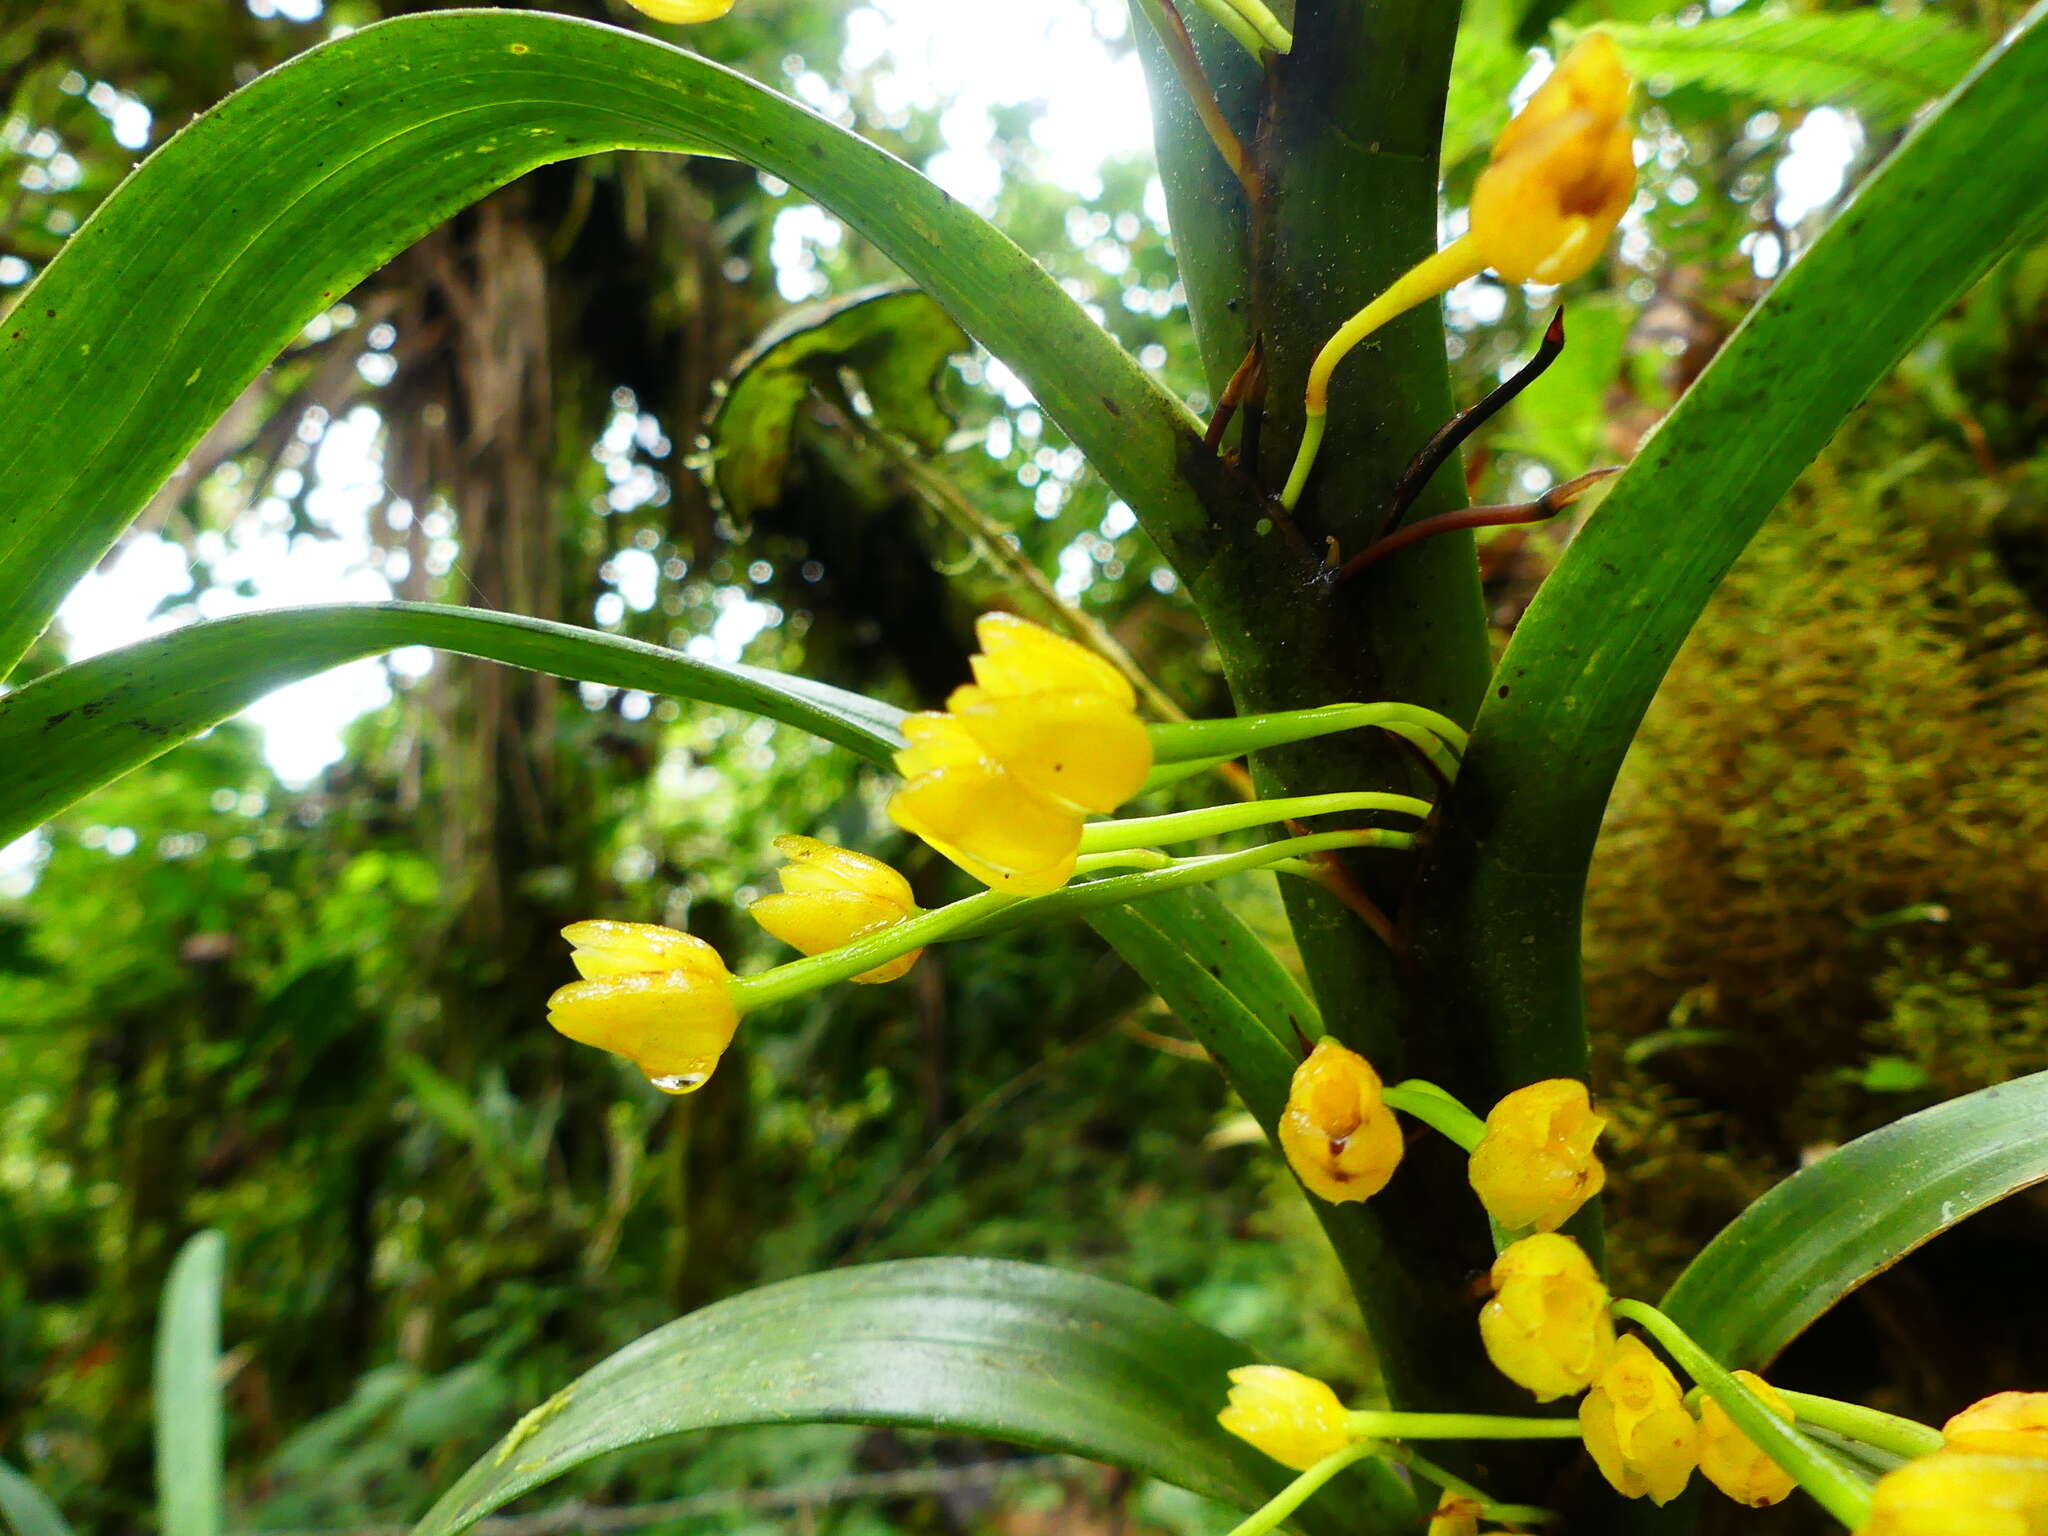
(1831, 1226)
(1588, 656)
(188, 1392)
(1014, 1352)
(74, 730)
(25, 1509)
(210, 258)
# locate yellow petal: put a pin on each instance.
(1535, 1165)
(1547, 1327)
(984, 819)
(1018, 656)
(683, 10)
(817, 921)
(1961, 1494)
(820, 866)
(607, 948)
(672, 1025)
(934, 740)
(1082, 749)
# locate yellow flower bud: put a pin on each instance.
(1635, 1424)
(1547, 1326)
(1535, 1166)
(1339, 1136)
(2004, 1424)
(1293, 1418)
(1729, 1460)
(832, 896)
(1561, 174)
(657, 997)
(683, 10)
(1961, 1494)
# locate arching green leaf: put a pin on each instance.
(1014, 1352)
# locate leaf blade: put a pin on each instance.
(189, 1409)
(1016, 1352)
(1821, 1233)
(84, 725)
(26, 1509)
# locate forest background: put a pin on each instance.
(288, 981)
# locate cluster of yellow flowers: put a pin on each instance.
(1000, 783)
(1549, 1327)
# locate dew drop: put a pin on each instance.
(681, 1082)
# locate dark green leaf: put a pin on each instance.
(220, 247)
(894, 340)
(66, 734)
(1831, 1226)
(189, 1430)
(1014, 1352)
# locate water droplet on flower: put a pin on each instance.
(681, 1082)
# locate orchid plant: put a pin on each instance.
(1431, 809)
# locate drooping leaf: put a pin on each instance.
(25, 1509)
(69, 732)
(1883, 64)
(1831, 1226)
(894, 341)
(227, 240)
(1014, 1352)
(189, 1428)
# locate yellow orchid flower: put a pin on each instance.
(1731, 1462)
(656, 996)
(1000, 783)
(1961, 1493)
(2003, 1424)
(1547, 1327)
(1339, 1136)
(1295, 1419)
(831, 896)
(1636, 1426)
(1535, 1165)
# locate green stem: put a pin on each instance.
(1181, 873)
(1296, 1493)
(793, 979)
(995, 912)
(1266, 24)
(1450, 1482)
(1164, 774)
(1885, 1431)
(1833, 1487)
(1436, 1109)
(1214, 820)
(1227, 17)
(1389, 1424)
(1251, 733)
